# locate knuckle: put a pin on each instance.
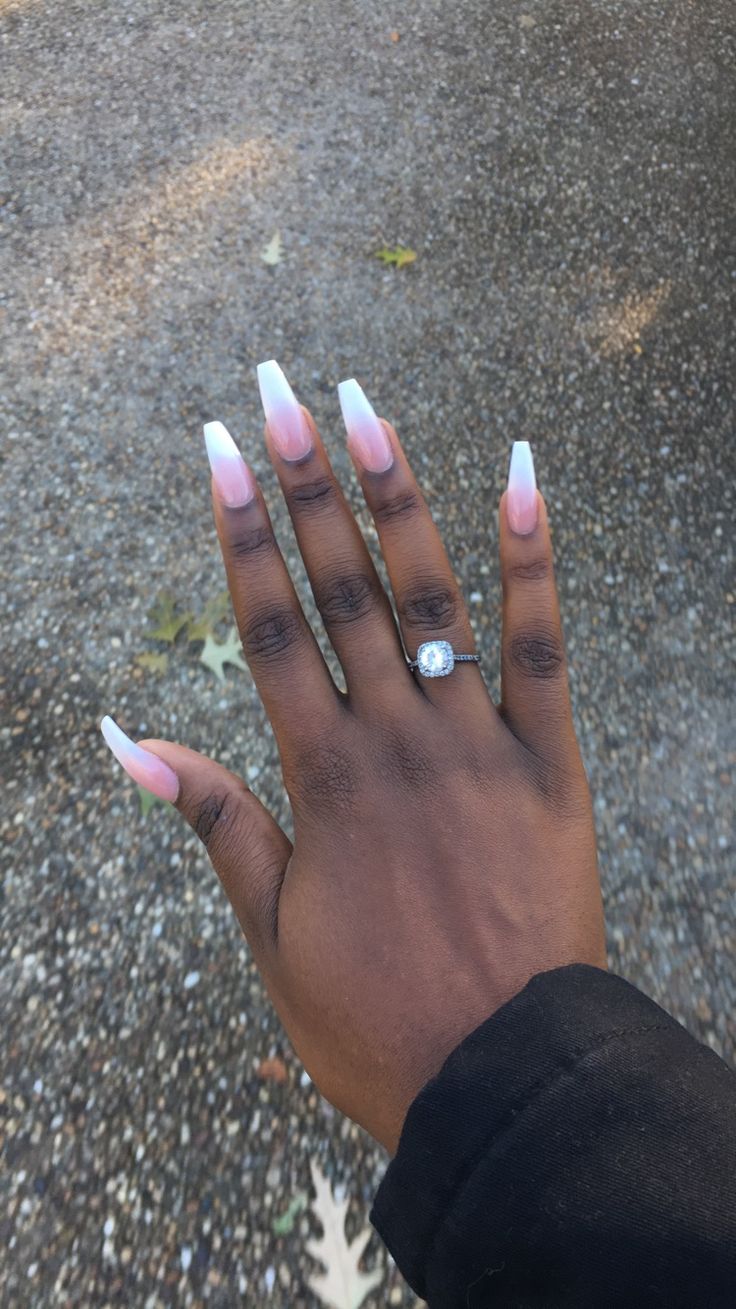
(430, 606)
(537, 654)
(408, 762)
(312, 497)
(252, 542)
(346, 598)
(400, 507)
(531, 570)
(563, 789)
(211, 818)
(272, 635)
(326, 777)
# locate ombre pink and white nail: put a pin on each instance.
(233, 479)
(286, 422)
(521, 497)
(366, 435)
(144, 767)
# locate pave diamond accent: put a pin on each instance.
(435, 659)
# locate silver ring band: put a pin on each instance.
(437, 659)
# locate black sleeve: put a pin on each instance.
(577, 1149)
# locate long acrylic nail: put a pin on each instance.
(144, 767)
(286, 422)
(366, 436)
(521, 498)
(233, 478)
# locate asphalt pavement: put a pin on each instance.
(564, 173)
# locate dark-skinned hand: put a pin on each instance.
(444, 849)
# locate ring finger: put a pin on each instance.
(428, 599)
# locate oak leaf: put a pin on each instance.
(343, 1285)
(217, 608)
(216, 654)
(168, 623)
(155, 663)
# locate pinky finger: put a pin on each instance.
(248, 850)
(534, 688)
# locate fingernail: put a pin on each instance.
(233, 478)
(366, 437)
(145, 768)
(521, 499)
(286, 422)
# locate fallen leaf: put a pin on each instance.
(218, 653)
(147, 801)
(273, 253)
(156, 663)
(217, 608)
(168, 622)
(272, 1070)
(285, 1224)
(526, 21)
(399, 256)
(395, 36)
(343, 1286)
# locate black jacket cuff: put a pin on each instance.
(526, 1147)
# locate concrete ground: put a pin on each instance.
(565, 173)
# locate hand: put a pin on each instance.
(444, 849)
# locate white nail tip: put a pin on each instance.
(366, 435)
(521, 468)
(354, 403)
(219, 442)
(117, 740)
(274, 388)
(142, 765)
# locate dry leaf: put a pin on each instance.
(273, 253)
(155, 663)
(343, 1286)
(168, 623)
(395, 36)
(526, 21)
(218, 653)
(399, 256)
(217, 608)
(272, 1070)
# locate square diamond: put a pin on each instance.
(435, 659)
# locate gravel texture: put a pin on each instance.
(565, 172)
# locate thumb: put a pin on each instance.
(248, 850)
